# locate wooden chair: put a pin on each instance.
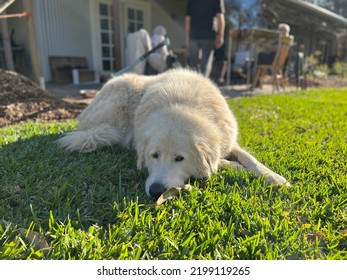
(275, 70)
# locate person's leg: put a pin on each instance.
(207, 46)
(194, 55)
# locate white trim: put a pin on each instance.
(95, 35)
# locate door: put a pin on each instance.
(134, 15)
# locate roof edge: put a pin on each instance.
(320, 10)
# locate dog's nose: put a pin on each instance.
(156, 190)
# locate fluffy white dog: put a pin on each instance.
(178, 122)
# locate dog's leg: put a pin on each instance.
(234, 164)
(253, 165)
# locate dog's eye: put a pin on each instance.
(179, 158)
(155, 155)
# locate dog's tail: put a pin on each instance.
(260, 170)
(89, 140)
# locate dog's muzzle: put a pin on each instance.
(156, 190)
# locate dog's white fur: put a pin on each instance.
(178, 122)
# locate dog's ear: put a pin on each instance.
(209, 157)
(140, 161)
(141, 152)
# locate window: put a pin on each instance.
(135, 19)
(106, 37)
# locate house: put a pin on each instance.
(84, 33)
(90, 34)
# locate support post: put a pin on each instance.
(33, 46)
(230, 43)
(7, 44)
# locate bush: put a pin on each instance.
(313, 67)
(340, 69)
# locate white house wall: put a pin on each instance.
(72, 28)
(63, 29)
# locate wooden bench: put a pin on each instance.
(68, 69)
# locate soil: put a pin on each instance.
(21, 100)
(329, 82)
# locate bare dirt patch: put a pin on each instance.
(328, 82)
(21, 100)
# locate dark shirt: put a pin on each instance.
(202, 13)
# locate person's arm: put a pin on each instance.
(220, 30)
(187, 30)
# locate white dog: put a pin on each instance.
(178, 122)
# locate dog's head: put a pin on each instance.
(175, 145)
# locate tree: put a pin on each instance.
(341, 7)
(243, 12)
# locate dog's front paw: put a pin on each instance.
(234, 164)
(277, 180)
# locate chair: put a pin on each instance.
(276, 68)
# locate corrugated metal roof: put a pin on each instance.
(317, 10)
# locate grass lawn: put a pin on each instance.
(57, 205)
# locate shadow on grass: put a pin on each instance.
(38, 178)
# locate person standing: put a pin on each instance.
(204, 27)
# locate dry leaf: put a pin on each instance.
(170, 193)
(35, 238)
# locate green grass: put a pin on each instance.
(93, 206)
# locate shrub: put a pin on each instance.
(340, 69)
